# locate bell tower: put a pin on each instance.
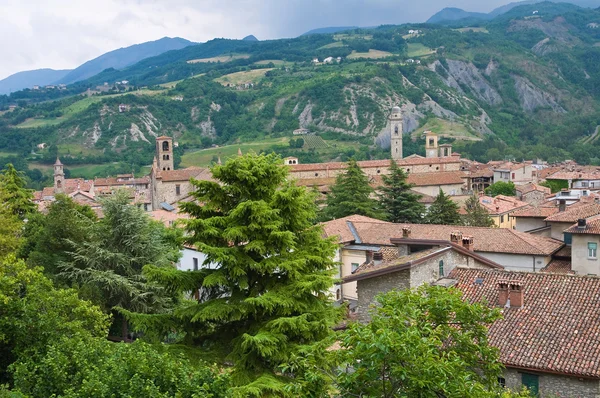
(59, 177)
(395, 120)
(164, 153)
(431, 145)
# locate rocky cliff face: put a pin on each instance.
(532, 97)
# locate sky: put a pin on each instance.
(62, 34)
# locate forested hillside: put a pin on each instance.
(522, 85)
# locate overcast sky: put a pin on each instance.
(62, 34)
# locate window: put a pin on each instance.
(354, 266)
(592, 250)
(396, 129)
(501, 219)
(513, 176)
(178, 189)
(568, 238)
(431, 142)
(532, 382)
(441, 268)
(195, 260)
(338, 294)
(502, 382)
(165, 145)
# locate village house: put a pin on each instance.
(548, 335)
(585, 238)
(360, 237)
(517, 173)
(532, 219)
(581, 177)
(534, 194)
(501, 208)
(566, 217)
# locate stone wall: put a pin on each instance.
(552, 385)
(367, 289)
(167, 192)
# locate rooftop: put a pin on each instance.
(372, 163)
(536, 211)
(592, 227)
(575, 212)
(501, 204)
(556, 330)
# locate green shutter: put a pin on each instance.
(441, 270)
(532, 382)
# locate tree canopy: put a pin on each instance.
(475, 214)
(399, 203)
(443, 211)
(501, 188)
(264, 292)
(351, 194)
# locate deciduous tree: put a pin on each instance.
(501, 188)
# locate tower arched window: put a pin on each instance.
(396, 129)
(165, 145)
(59, 184)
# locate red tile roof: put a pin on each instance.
(536, 211)
(557, 329)
(436, 178)
(575, 212)
(526, 188)
(501, 204)
(185, 174)
(341, 229)
(492, 240)
(372, 163)
(592, 227)
(558, 267)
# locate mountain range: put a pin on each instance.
(116, 59)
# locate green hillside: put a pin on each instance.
(521, 85)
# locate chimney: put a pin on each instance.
(377, 258)
(562, 205)
(515, 294)
(406, 232)
(502, 293)
(456, 237)
(467, 242)
(581, 223)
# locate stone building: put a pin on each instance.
(533, 194)
(396, 130)
(501, 208)
(548, 335)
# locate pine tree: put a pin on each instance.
(351, 194)
(17, 199)
(476, 215)
(108, 265)
(443, 211)
(396, 198)
(266, 297)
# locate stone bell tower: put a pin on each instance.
(59, 177)
(431, 145)
(164, 153)
(395, 120)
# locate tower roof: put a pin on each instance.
(164, 137)
(396, 109)
(58, 163)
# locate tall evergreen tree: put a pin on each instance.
(17, 199)
(443, 211)
(351, 194)
(108, 265)
(396, 198)
(266, 295)
(476, 215)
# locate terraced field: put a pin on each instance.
(314, 142)
(220, 58)
(250, 76)
(372, 54)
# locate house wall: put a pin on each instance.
(325, 172)
(557, 229)
(580, 262)
(434, 190)
(503, 220)
(524, 224)
(186, 262)
(166, 192)
(517, 262)
(522, 176)
(586, 184)
(367, 289)
(349, 257)
(534, 197)
(552, 385)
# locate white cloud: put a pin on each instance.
(62, 34)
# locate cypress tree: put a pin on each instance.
(265, 297)
(443, 211)
(17, 199)
(476, 215)
(351, 194)
(396, 199)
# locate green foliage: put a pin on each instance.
(351, 194)
(108, 266)
(33, 314)
(476, 215)
(47, 237)
(15, 198)
(443, 211)
(501, 188)
(426, 342)
(266, 297)
(94, 367)
(555, 185)
(396, 198)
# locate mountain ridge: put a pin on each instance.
(28, 79)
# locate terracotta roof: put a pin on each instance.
(511, 166)
(112, 181)
(526, 188)
(162, 137)
(575, 212)
(47, 191)
(37, 195)
(592, 227)
(558, 267)
(185, 174)
(58, 162)
(501, 204)
(340, 228)
(565, 252)
(584, 174)
(535, 211)
(371, 163)
(556, 330)
(407, 260)
(167, 217)
(492, 240)
(436, 178)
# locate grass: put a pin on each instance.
(342, 36)
(276, 62)
(176, 82)
(447, 129)
(204, 157)
(332, 45)
(220, 58)
(418, 50)
(33, 123)
(250, 76)
(372, 54)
